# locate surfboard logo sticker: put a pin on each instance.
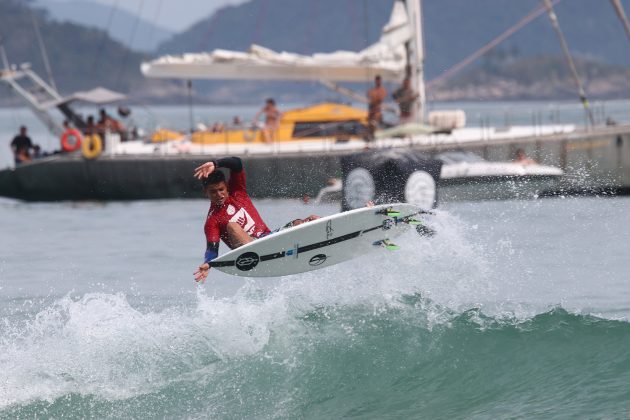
(247, 261)
(318, 259)
(329, 229)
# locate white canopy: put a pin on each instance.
(387, 57)
(97, 96)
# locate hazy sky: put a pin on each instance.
(175, 15)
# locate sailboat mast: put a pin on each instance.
(567, 55)
(415, 57)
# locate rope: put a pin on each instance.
(622, 15)
(43, 51)
(496, 41)
(131, 40)
(155, 19)
(567, 55)
(104, 38)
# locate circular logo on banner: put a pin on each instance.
(358, 188)
(230, 209)
(420, 190)
(317, 259)
(247, 261)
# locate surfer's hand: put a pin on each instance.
(202, 273)
(204, 170)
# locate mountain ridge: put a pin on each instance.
(84, 57)
(147, 35)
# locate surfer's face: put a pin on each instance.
(217, 193)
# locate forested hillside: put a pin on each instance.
(80, 57)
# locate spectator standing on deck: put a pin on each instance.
(272, 120)
(405, 97)
(375, 96)
(21, 145)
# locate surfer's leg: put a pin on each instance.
(237, 235)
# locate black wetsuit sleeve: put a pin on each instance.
(234, 163)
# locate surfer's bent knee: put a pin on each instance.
(237, 235)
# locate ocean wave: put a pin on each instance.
(272, 354)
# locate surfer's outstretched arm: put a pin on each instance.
(232, 163)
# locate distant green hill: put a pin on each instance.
(80, 57)
(527, 66)
(145, 37)
(538, 77)
(452, 28)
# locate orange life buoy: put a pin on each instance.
(71, 140)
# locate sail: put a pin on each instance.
(387, 57)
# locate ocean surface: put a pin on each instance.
(516, 309)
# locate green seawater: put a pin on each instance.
(408, 358)
(515, 309)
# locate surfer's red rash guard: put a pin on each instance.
(237, 208)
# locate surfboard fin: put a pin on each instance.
(389, 212)
(411, 221)
(385, 243)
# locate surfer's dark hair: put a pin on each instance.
(214, 178)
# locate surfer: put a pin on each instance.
(232, 216)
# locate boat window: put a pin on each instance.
(328, 129)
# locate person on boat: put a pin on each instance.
(521, 157)
(232, 216)
(109, 124)
(90, 127)
(272, 120)
(405, 97)
(375, 96)
(22, 145)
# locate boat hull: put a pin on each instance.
(138, 178)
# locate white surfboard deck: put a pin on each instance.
(319, 243)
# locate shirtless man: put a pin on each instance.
(232, 216)
(376, 96)
(405, 97)
(521, 157)
(272, 120)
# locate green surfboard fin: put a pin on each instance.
(387, 245)
(413, 222)
(389, 212)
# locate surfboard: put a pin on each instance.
(321, 243)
